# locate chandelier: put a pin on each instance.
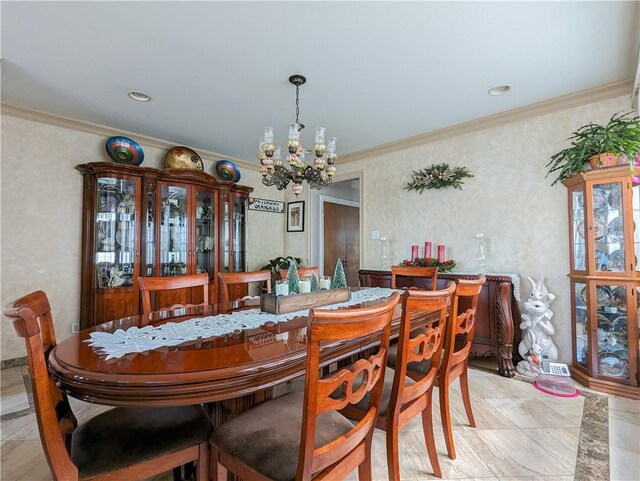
(273, 169)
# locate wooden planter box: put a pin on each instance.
(297, 302)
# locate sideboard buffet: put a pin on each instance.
(497, 308)
(140, 221)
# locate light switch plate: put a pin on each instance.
(375, 234)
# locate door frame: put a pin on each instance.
(334, 200)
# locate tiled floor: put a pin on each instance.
(521, 434)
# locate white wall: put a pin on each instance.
(42, 214)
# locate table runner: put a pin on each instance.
(136, 340)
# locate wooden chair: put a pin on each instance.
(406, 271)
(301, 435)
(457, 346)
(302, 272)
(229, 278)
(404, 398)
(118, 444)
(152, 284)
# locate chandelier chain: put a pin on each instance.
(297, 104)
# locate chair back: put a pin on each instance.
(332, 326)
(32, 320)
(302, 272)
(153, 284)
(419, 345)
(419, 272)
(227, 279)
(462, 323)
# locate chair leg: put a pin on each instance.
(445, 414)
(430, 441)
(203, 463)
(466, 399)
(365, 472)
(393, 458)
(217, 472)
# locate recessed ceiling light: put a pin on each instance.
(139, 96)
(500, 89)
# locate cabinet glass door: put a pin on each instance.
(612, 330)
(205, 232)
(149, 251)
(635, 207)
(115, 232)
(577, 229)
(608, 227)
(226, 232)
(239, 233)
(173, 230)
(580, 321)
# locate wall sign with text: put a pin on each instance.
(266, 205)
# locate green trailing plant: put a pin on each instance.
(445, 266)
(278, 263)
(438, 176)
(620, 136)
(293, 280)
(339, 279)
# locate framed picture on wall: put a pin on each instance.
(295, 216)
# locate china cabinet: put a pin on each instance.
(140, 221)
(604, 241)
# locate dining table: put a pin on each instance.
(235, 370)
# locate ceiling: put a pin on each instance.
(376, 72)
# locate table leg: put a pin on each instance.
(504, 327)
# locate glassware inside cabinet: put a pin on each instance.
(227, 233)
(205, 232)
(173, 231)
(149, 251)
(577, 214)
(582, 342)
(115, 232)
(239, 233)
(608, 227)
(635, 207)
(613, 337)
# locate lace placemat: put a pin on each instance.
(134, 340)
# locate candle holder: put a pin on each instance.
(384, 256)
(481, 258)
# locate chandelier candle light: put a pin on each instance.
(273, 169)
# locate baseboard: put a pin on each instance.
(15, 362)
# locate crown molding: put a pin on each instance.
(604, 92)
(98, 129)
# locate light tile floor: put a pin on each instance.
(521, 434)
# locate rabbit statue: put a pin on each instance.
(530, 366)
(536, 325)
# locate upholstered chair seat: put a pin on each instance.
(124, 437)
(267, 437)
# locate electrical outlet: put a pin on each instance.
(75, 328)
(375, 234)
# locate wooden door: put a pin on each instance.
(342, 240)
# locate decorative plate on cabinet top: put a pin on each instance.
(227, 170)
(124, 150)
(183, 158)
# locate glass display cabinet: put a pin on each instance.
(604, 212)
(185, 229)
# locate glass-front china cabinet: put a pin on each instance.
(604, 212)
(140, 221)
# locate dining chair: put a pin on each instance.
(404, 398)
(227, 279)
(302, 272)
(301, 435)
(122, 443)
(154, 284)
(455, 359)
(414, 272)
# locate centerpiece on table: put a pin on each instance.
(307, 293)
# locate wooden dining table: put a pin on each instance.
(239, 368)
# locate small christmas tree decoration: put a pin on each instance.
(339, 279)
(315, 285)
(292, 279)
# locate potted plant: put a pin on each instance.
(601, 145)
(278, 263)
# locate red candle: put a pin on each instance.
(414, 252)
(440, 253)
(427, 249)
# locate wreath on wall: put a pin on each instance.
(438, 176)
